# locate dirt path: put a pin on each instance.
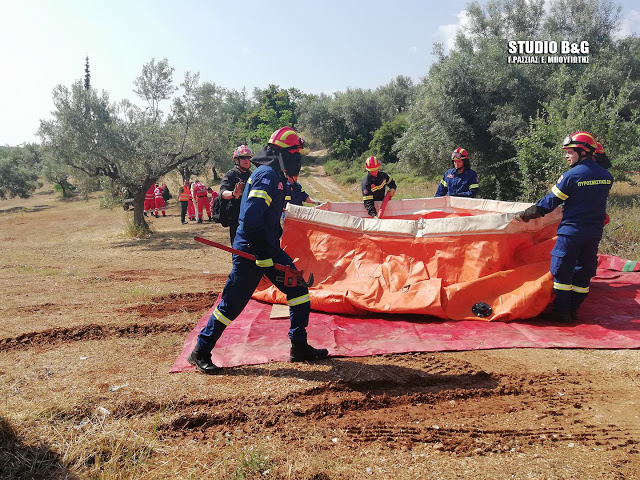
(93, 321)
(321, 186)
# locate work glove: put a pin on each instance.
(265, 262)
(239, 188)
(392, 192)
(529, 214)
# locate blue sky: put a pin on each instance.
(317, 47)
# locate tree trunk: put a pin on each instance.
(215, 174)
(138, 204)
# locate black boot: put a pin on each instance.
(574, 314)
(199, 220)
(202, 361)
(556, 316)
(300, 353)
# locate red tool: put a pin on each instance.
(291, 276)
(387, 197)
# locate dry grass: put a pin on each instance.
(72, 328)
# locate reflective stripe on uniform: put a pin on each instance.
(261, 194)
(580, 289)
(474, 185)
(220, 317)
(444, 184)
(556, 191)
(562, 286)
(367, 197)
(375, 188)
(299, 300)
(288, 198)
(267, 262)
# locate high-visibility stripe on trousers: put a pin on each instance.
(242, 282)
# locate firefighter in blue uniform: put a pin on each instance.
(583, 191)
(295, 194)
(459, 181)
(374, 185)
(259, 234)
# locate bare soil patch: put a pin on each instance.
(92, 321)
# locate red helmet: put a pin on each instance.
(599, 148)
(460, 153)
(371, 163)
(580, 140)
(288, 138)
(242, 151)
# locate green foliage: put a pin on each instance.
(253, 463)
(540, 156)
(344, 172)
(87, 74)
(347, 122)
(19, 168)
(473, 98)
(385, 137)
(276, 108)
(133, 146)
(396, 97)
(58, 173)
(344, 149)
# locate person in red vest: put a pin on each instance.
(159, 206)
(150, 200)
(202, 197)
(186, 204)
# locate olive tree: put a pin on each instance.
(131, 145)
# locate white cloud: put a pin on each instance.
(414, 50)
(447, 33)
(630, 25)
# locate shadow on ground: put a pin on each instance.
(19, 209)
(21, 461)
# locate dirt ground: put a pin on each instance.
(91, 322)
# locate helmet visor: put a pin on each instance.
(456, 155)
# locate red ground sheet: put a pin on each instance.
(609, 318)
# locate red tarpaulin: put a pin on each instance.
(609, 318)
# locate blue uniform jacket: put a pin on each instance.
(294, 194)
(583, 190)
(456, 184)
(259, 231)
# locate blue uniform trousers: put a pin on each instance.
(573, 263)
(243, 280)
